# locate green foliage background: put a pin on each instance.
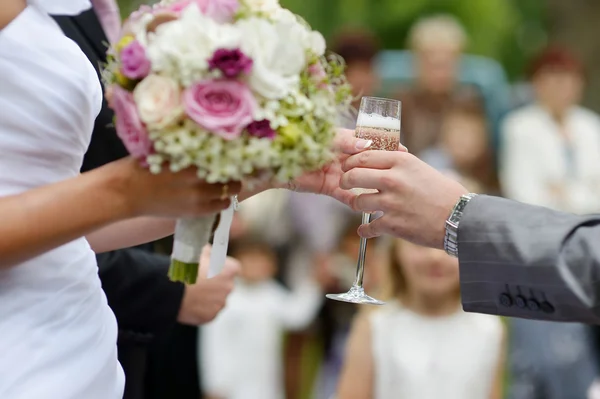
(509, 31)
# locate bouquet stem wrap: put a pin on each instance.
(191, 235)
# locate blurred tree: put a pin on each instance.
(574, 24)
(506, 30)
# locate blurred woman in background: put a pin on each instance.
(422, 345)
(551, 149)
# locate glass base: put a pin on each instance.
(355, 295)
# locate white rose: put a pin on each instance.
(278, 54)
(158, 100)
(181, 49)
(316, 43)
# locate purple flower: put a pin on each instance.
(134, 63)
(261, 129)
(230, 62)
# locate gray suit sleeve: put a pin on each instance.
(525, 261)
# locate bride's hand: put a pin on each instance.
(166, 194)
(327, 180)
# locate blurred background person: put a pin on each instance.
(359, 48)
(336, 273)
(551, 149)
(551, 157)
(242, 349)
(464, 147)
(437, 43)
(421, 344)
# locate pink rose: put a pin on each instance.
(130, 128)
(221, 11)
(134, 63)
(318, 74)
(223, 107)
(179, 6)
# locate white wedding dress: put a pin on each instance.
(57, 333)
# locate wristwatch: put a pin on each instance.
(451, 237)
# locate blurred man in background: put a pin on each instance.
(437, 43)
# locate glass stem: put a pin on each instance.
(360, 266)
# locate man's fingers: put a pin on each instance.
(365, 178)
(371, 202)
(373, 160)
(373, 229)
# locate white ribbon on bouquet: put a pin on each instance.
(221, 239)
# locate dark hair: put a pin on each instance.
(250, 243)
(355, 45)
(558, 59)
(472, 111)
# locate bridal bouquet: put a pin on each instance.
(239, 89)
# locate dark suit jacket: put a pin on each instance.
(530, 262)
(146, 303)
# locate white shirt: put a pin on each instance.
(535, 156)
(57, 333)
(241, 349)
(453, 357)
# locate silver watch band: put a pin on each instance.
(451, 236)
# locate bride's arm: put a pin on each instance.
(129, 233)
(356, 380)
(10, 10)
(44, 218)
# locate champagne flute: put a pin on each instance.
(379, 121)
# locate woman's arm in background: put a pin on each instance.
(356, 381)
(500, 372)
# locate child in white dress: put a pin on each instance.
(241, 350)
(421, 345)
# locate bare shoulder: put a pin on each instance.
(10, 10)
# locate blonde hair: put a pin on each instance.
(435, 30)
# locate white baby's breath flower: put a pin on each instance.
(265, 7)
(278, 54)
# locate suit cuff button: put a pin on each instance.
(506, 300)
(547, 307)
(534, 305)
(520, 301)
